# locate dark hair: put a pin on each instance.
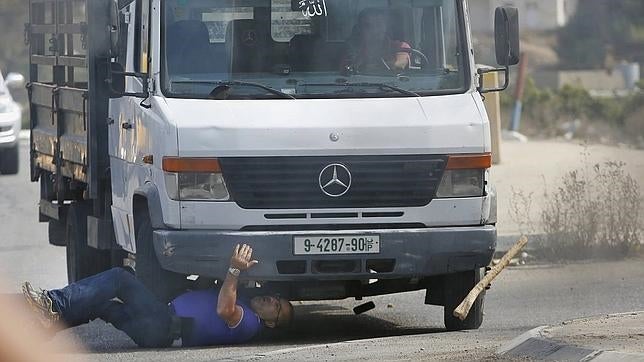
(292, 315)
(358, 28)
(371, 12)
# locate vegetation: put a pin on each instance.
(593, 212)
(546, 112)
(602, 33)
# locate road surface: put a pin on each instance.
(400, 327)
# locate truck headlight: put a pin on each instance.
(461, 183)
(194, 179)
(464, 176)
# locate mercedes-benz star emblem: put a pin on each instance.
(335, 180)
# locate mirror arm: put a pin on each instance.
(481, 89)
(142, 76)
(127, 94)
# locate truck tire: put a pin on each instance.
(164, 284)
(82, 260)
(456, 287)
(57, 233)
(10, 160)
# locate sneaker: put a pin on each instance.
(41, 303)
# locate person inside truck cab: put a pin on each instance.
(198, 318)
(371, 49)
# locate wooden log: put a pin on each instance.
(463, 309)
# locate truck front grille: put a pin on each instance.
(295, 182)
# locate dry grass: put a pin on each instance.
(593, 212)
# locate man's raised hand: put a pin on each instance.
(242, 257)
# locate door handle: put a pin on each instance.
(127, 125)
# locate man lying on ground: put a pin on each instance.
(199, 318)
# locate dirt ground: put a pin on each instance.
(535, 166)
(619, 332)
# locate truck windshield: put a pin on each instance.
(314, 48)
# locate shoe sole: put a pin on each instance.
(47, 317)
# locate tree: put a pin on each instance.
(603, 32)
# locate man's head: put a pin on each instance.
(274, 311)
(372, 23)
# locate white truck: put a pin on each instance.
(166, 132)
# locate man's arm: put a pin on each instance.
(227, 307)
(402, 59)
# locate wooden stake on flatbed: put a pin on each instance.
(463, 309)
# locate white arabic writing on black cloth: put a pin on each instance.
(311, 8)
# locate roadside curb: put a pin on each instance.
(276, 353)
(534, 345)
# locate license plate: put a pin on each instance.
(336, 244)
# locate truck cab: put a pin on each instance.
(346, 141)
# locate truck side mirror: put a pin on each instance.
(508, 49)
(506, 34)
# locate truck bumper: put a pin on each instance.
(406, 253)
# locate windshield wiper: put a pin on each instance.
(232, 83)
(376, 85)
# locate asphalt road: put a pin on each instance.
(400, 327)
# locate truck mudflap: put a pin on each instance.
(406, 253)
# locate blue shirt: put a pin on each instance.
(208, 328)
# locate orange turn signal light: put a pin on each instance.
(469, 162)
(183, 164)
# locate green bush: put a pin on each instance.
(545, 110)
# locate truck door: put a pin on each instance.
(126, 114)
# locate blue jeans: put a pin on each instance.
(116, 297)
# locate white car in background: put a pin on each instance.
(10, 124)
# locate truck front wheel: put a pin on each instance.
(162, 283)
(456, 287)
(57, 233)
(82, 260)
